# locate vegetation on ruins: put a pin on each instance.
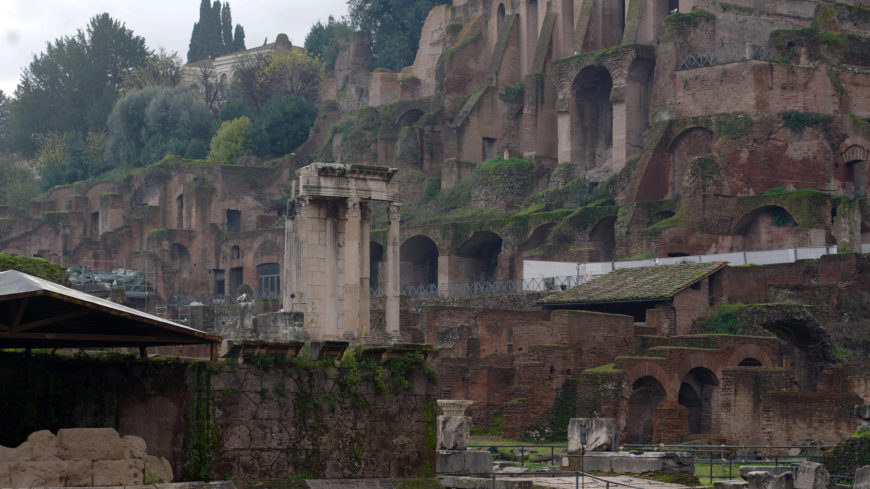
(324, 40)
(34, 266)
(394, 27)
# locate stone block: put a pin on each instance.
(601, 434)
(470, 462)
(43, 473)
(453, 432)
(8, 454)
(811, 475)
(596, 461)
(6, 473)
(731, 485)
(862, 478)
(863, 411)
(157, 469)
(746, 469)
(90, 444)
(453, 482)
(79, 473)
(118, 472)
(42, 444)
(136, 447)
(628, 463)
(759, 479)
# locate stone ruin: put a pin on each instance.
(327, 254)
(602, 453)
(452, 434)
(81, 457)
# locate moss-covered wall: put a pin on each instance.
(269, 419)
(34, 266)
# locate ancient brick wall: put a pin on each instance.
(691, 304)
(278, 419)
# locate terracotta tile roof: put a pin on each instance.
(635, 284)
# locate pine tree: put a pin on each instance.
(227, 28)
(239, 38)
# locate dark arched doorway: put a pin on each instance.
(646, 393)
(419, 257)
(697, 394)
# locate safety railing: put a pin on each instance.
(482, 288)
(578, 477)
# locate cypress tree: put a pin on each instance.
(239, 38)
(227, 28)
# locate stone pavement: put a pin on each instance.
(589, 483)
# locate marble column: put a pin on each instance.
(393, 276)
(365, 270)
(330, 306)
(297, 210)
(352, 264)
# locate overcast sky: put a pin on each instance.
(26, 25)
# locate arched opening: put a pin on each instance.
(478, 257)
(500, 16)
(603, 238)
(661, 216)
(690, 144)
(592, 118)
(767, 228)
(531, 31)
(409, 118)
(567, 26)
(612, 22)
(269, 280)
(539, 238)
(235, 253)
(677, 254)
(376, 258)
(855, 161)
(179, 212)
(750, 362)
(638, 96)
(697, 394)
(409, 144)
(647, 392)
(419, 257)
(179, 264)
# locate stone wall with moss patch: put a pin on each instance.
(272, 418)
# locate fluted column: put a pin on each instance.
(351, 275)
(294, 255)
(393, 277)
(365, 269)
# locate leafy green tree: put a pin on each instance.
(394, 26)
(324, 40)
(148, 124)
(18, 184)
(4, 120)
(74, 83)
(290, 71)
(233, 109)
(161, 69)
(282, 125)
(230, 142)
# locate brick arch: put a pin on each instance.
(852, 148)
(750, 351)
(648, 368)
(746, 219)
(698, 359)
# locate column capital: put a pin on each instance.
(353, 207)
(394, 212)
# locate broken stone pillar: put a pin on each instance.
(393, 276)
(453, 428)
(601, 434)
(766, 480)
(862, 478)
(863, 411)
(811, 475)
(452, 433)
